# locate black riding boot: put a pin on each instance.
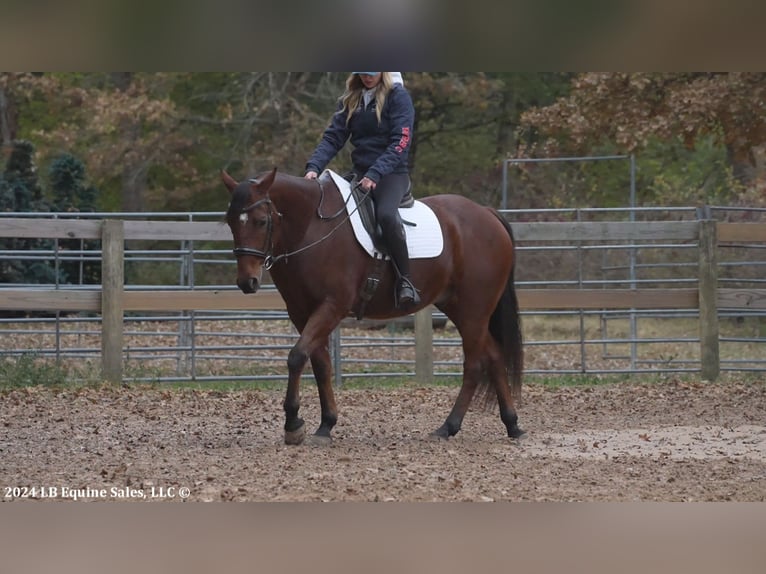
(406, 294)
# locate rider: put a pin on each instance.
(376, 112)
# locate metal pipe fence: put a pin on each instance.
(253, 345)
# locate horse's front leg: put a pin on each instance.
(312, 343)
(295, 430)
(322, 367)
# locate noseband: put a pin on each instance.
(267, 253)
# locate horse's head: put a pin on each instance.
(251, 216)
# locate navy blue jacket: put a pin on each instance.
(378, 149)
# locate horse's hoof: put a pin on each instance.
(516, 433)
(295, 437)
(319, 440)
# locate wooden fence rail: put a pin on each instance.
(112, 300)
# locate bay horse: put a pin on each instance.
(285, 224)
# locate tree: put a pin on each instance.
(70, 194)
(21, 188)
(8, 118)
(634, 110)
(125, 127)
(17, 91)
(67, 184)
(466, 126)
(20, 192)
(158, 140)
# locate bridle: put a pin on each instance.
(267, 253)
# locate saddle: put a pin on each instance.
(366, 209)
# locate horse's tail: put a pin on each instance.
(505, 323)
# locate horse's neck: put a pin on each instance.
(297, 200)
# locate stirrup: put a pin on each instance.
(406, 300)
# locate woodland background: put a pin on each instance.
(146, 141)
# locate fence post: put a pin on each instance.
(335, 357)
(112, 282)
(424, 350)
(708, 301)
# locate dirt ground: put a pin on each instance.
(671, 441)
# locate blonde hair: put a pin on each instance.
(355, 88)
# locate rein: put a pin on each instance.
(341, 210)
(267, 253)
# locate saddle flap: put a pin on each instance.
(366, 209)
(424, 233)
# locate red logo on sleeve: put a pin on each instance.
(404, 141)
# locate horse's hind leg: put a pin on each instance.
(483, 359)
(473, 349)
(499, 377)
(451, 426)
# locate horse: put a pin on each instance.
(293, 227)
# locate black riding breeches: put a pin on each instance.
(387, 196)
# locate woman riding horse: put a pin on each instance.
(319, 268)
(376, 112)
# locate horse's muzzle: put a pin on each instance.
(249, 285)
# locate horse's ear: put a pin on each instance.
(228, 181)
(264, 183)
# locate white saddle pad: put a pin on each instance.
(423, 240)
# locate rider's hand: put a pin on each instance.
(367, 184)
(310, 175)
